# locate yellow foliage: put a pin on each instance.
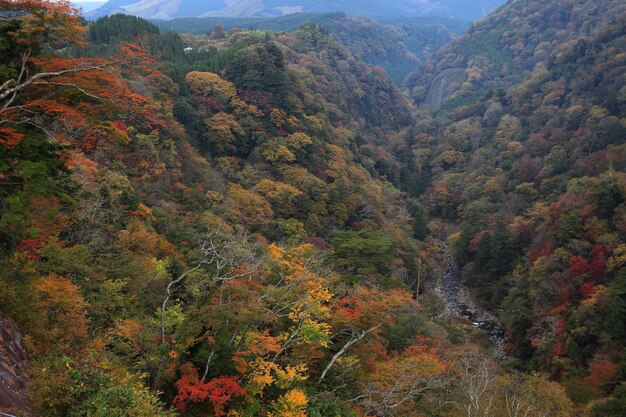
(292, 404)
(298, 141)
(282, 196)
(265, 373)
(210, 84)
(314, 123)
(618, 259)
(453, 238)
(290, 374)
(247, 207)
(261, 376)
(223, 130)
(451, 157)
(243, 109)
(280, 153)
(309, 293)
(532, 395)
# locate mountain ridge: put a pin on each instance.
(161, 9)
(397, 45)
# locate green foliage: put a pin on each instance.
(362, 252)
(119, 27)
(420, 220)
(10, 50)
(260, 67)
(614, 406)
(322, 407)
(616, 308)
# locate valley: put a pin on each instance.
(356, 210)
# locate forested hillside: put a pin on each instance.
(529, 184)
(504, 49)
(256, 227)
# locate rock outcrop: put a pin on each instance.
(13, 361)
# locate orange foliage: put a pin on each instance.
(60, 301)
(45, 21)
(10, 137)
(141, 240)
(218, 391)
(63, 97)
(368, 306)
(603, 374)
(130, 330)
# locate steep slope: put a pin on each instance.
(503, 49)
(13, 367)
(231, 243)
(530, 184)
(138, 254)
(398, 48)
(159, 9)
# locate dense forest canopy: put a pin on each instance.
(261, 223)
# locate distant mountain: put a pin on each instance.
(398, 45)
(88, 6)
(169, 9)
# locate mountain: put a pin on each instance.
(167, 9)
(88, 6)
(522, 131)
(398, 45)
(502, 50)
(259, 223)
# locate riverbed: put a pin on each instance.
(458, 300)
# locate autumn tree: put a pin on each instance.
(283, 197)
(218, 391)
(210, 84)
(532, 395)
(247, 206)
(63, 321)
(398, 383)
(30, 95)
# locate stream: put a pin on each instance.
(459, 301)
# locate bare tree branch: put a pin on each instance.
(355, 338)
